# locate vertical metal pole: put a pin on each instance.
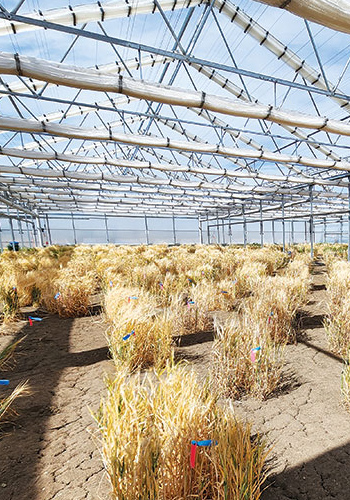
(341, 230)
(48, 229)
(11, 227)
(107, 233)
(200, 231)
(349, 219)
(217, 228)
(305, 229)
(230, 228)
(273, 232)
(1, 245)
(41, 237)
(261, 226)
(244, 228)
(283, 226)
(146, 230)
(311, 222)
(74, 232)
(28, 234)
(20, 229)
(324, 231)
(174, 231)
(223, 231)
(34, 232)
(208, 230)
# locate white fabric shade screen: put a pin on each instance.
(209, 176)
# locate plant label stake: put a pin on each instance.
(132, 298)
(253, 353)
(57, 296)
(189, 302)
(194, 444)
(30, 321)
(126, 337)
(4, 382)
(269, 319)
(161, 285)
(33, 318)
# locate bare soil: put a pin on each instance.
(49, 451)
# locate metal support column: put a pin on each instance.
(11, 226)
(311, 222)
(283, 226)
(35, 233)
(146, 230)
(230, 228)
(349, 219)
(223, 231)
(174, 231)
(28, 234)
(48, 229)
(74, 231)
(217, 229)
(261, 226)
(244, 228)
(40, 230)
(208, 230)
(324, 231)
(107, 233)
(19, 223)
(200, 231)
(305, 229)
(341, 231)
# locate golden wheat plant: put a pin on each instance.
(337, 323)
(245, 358)
(69, 288)
(276, 303)
(146, 425)
(21, 389)
(345, 381)
(140, 333)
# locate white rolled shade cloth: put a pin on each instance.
(134, 179)
(151, 141)
(334, 14)
(95, 80)
(71, 16)
(238, 152)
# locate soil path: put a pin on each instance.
(307, 425)
(48, 453)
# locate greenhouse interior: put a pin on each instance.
(174, 249)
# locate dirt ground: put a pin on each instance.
(49, 451)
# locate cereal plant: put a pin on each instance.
(147, 425)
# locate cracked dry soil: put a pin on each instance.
(48, 452)
(307, 424)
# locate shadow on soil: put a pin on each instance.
(324, 477)
(40, 359)
(194, 338)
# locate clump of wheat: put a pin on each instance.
(147, 425)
